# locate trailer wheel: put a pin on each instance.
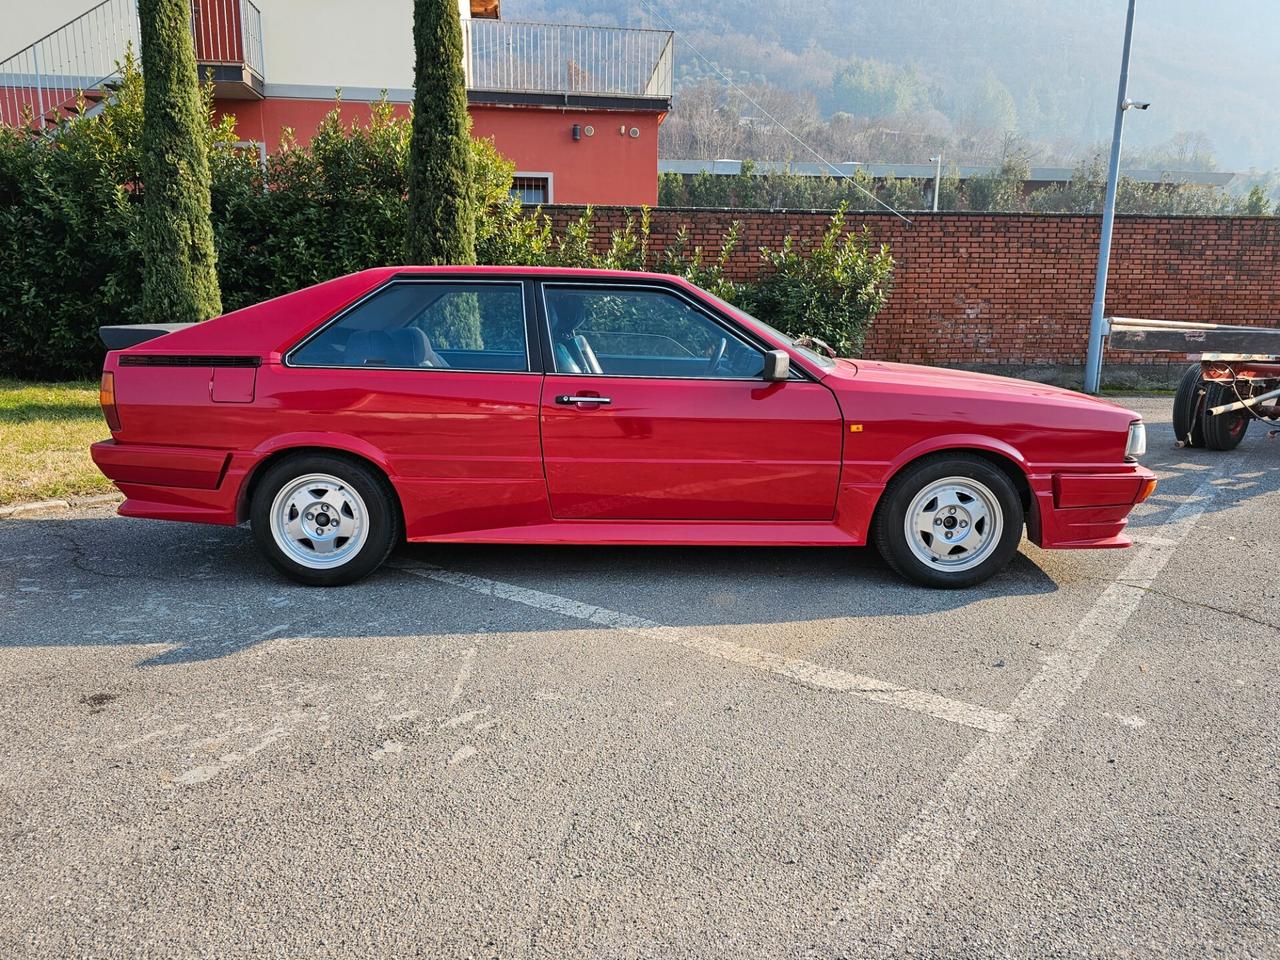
(1226, 430)
(1188, 405)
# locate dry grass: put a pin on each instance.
(45, 432)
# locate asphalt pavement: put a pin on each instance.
(650, 753)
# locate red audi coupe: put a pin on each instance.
(517, 405)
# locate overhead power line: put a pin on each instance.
(755, 103)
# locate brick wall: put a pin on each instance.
(1014, 289)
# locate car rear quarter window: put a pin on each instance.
(426, 325)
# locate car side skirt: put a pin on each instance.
(708, 533)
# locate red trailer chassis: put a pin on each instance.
(1236, 381)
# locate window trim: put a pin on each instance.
(519, 283)
(798, 373)
(546, 175)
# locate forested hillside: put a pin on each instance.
(892, 80)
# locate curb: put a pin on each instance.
(18, 510)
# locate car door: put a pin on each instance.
(441, 377)
(654, 408)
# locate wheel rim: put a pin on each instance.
(319, 521)
(954, 523)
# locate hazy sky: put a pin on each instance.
(1205, 66)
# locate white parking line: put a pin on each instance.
(802, 671)
(926, 855)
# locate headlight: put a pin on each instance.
(1137, 443)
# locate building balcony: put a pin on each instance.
(228, 41)
(507, 61)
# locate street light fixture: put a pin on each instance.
(1097, 326)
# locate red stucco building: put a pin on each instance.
(577, 108)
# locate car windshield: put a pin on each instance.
(821, 360)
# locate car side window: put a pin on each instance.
(426, 325)
(642, 333)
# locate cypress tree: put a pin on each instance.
(441, 215)
(180, 280)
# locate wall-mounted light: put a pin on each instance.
(577, 131)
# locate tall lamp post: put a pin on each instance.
(937, 179)
(1097, 326)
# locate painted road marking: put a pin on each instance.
(802, 671)
(925, 856)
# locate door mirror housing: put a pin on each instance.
(777, 365)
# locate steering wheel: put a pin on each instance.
(714, 362)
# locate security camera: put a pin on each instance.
(1137, 104)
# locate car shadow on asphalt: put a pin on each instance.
(205, 593)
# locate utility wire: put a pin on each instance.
(785, 129)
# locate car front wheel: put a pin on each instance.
(324, 520)
(949, 521)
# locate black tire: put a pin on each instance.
(890, 536)
(381, 510)
(1226, 430)
(1188, 406)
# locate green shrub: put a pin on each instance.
(69, 239)
(831, 292)
(70, 212)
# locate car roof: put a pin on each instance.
(268, 327)
(581, 272)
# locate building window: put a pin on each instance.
(531, 188)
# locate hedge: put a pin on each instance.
(70, 207)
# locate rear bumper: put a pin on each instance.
(1087, 511)
(195, 484)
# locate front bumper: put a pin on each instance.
(1086, 510)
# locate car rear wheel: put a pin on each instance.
(949, 521)
(324, 520)
(1226, 430)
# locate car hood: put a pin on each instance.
(920, 379)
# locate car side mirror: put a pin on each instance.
(777, 365)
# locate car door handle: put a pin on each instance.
(566, 399)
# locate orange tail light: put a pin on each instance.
(1147, 489)
(107, 397)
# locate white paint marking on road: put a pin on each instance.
(802, 671)
(199, 774)
(1132, 721)
(926, 855)
(464, 675)
(463, 719)
(464, 752)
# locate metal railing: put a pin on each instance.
(47, 77)
(227, 31)
(514, 57)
